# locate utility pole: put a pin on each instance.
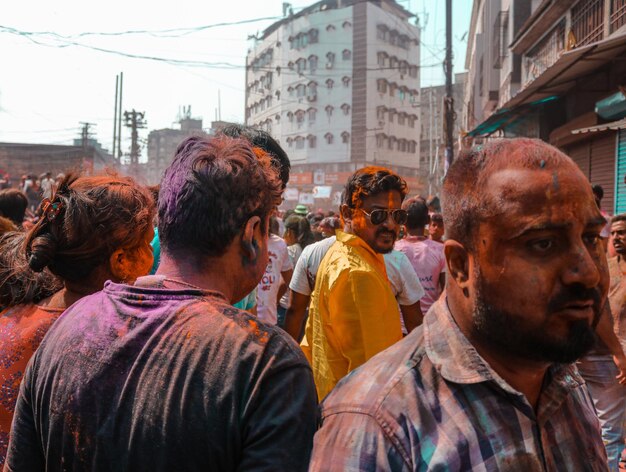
(85, 134)
(119, 121)
(134, 120)
(449, 99)
(117, 85)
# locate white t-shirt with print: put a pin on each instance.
(267, 290)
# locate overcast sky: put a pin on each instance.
(57, 77)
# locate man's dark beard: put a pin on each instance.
(505, 333)
(380, 231)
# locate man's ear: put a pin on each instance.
(457, 259)
(250, 235)
(119, 265)
(346, 213)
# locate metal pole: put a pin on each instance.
(117, 80)
(449, 100)
(119, 121)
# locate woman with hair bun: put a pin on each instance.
(94, 229)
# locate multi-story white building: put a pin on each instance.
(338, 85)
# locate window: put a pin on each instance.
(290, 65)
(329, 138)
(380, 112)
(312, 112)
(346, 81)
(402, 93)
(299, 142)
(401, 118)
(290, 91)
(381, 85)
(300, 65)
(330, 28)
(278, 69)
(330, 60)
(290, 117)
(412, 146)
(329, 110)
(412, 121)
(391, 143)
(404, 41)
(345, 137)
(393, 62)
(312, 63)
(382, 58)
(392, 89)
(413, 71)
(300, 117)
(346, 24)
(312, 86)
(392, 113)
(402, 145)
(380, 140)
(346, 55)
(268, 100)
(312, 141)
(277, 93)
(381, 32)
(345, 108)
(404, 67)
(393, 37)
(301, 90)
(277, 118)
(289, 142)
(329, 83)
(313, 35)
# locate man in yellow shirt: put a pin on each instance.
(353, 313)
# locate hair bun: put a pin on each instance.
(42, 251)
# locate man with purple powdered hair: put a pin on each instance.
(166, 375)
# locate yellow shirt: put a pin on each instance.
(353, 313)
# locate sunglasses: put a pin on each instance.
(378, 217)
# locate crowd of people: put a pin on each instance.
(193, 326)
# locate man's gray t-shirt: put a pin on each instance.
(145, 378)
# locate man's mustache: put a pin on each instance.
(575, 293)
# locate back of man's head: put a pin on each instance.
(417, 213)
(370, 181)
(209, 191)
(262, 139)
(13, 205)
(464, 203)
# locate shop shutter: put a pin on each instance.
(602, 167)
(620, 172)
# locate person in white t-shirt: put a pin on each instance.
(279, 265)
(298, 236)
(426, 255)
(404, 285)
(47, 186)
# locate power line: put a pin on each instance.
(167, 33)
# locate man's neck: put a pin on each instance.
(209, 277)
(523, 375)
(416, 232)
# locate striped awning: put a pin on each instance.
(612, 126)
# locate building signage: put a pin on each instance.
(301, 178)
